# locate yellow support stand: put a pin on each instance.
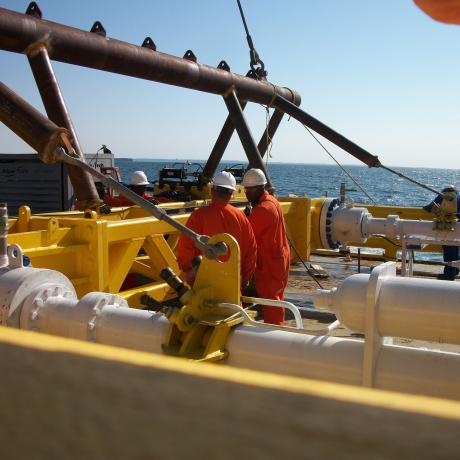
(199, 329)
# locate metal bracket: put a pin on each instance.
(190, 56)
(98, 29)
(15, 256)
(223, 66)
(34, 10)
(252, 74)
(149, 43)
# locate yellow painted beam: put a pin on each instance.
(160, 254)
(121, 257)
(62, 398)
(159, 291)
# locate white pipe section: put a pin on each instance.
(340, 360)
(132, 328)
(416, 308)
(357, 224)
(393, 226)
(45, 301)
(97, 317)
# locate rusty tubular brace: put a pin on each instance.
(244, 133)
(56, 109)
(31, 125)
(74, 46)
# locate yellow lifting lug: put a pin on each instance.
(446, 215)
(199, 329)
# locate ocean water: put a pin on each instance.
(319, 180)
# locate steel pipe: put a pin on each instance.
(30, 125)
(73, 46)
(415, 308)
(334, 359)
(45, 301)
(56, 109)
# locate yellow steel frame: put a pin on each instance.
(199, 329)
(97, 252)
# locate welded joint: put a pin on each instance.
(35, 48)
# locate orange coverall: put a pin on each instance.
(273, 254)
(220, 217)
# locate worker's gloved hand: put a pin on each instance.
(248, 210)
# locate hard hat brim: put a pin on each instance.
(223, 186)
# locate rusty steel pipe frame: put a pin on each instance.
(57, 112)
(53, 144)
(30, 124)
(219, 147)
(73, 46)
(244, 133)
(225, 135)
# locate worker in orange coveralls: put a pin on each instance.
(273, 255)
(138, 184)
(219, 217)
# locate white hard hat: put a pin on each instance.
(253, 178)
(224, 179)
(138, 178)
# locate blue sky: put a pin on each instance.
(383, 74)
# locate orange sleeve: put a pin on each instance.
(248, 253)
(186, 250)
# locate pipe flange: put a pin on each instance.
(99, 301)
(325, 224)
(36, 301)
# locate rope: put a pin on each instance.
(339, 165)
(402, 176)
